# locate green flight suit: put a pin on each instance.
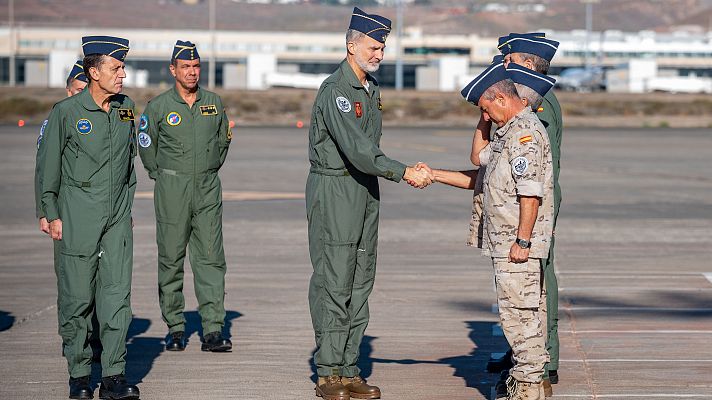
(87, 179)
(550, 115)
(182, 149)
(39, 213)
(342, 201)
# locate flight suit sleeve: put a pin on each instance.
(353, 142)
(39, 213)
(224, 135)
(50, 163)
(147, 139)
(526, 159)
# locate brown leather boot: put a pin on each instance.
(359, 389)
(524, 390)
(548, 391)
(330, 388)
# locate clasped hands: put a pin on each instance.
(420, 176)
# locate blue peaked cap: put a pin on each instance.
(107, 45)
(493, 74)
(538, 46)
(540, 83)
(374, 26)
(185, 51)
(77, 72)
(503, 41)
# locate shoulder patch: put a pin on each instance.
(343, 104)
(42, 129)
(143, 122)
(525, 139)
(520, 166)
(144, 140)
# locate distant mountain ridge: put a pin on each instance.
(488, 18)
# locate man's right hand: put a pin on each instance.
(44, 225)
(55, 229)
(418, 178)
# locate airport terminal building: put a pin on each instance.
(259, 60)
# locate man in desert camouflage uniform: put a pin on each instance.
(518, 214)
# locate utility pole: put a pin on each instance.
(213, 57)
(399, 49)
(13, 41)
(589, 27)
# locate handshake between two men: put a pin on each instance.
(420, 176)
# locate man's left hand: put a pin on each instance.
(517, 254)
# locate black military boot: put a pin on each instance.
(215, 342)
(115, 388)
(79, 388)
(554, 376)
(175, 341)
(496, 365)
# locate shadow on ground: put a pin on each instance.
(470, 367)
(7, 320)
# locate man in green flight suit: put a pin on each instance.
(183, 138)
(76, 82)
(87, 185)
(342, 200)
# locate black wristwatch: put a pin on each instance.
(525, 244)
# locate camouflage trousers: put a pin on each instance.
(521, 297)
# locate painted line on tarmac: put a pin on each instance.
(641, 331)
(628, 274)
(242, 196)
(628, 395)
(631, 289)
(708, 275)
(635, 360)
(667, 309)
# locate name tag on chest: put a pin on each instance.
(210, 109)
(497, 146)
(126, 114)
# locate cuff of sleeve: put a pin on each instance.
(397, 172)
(530, 188)
(51, 212)
(153, 174)
(484, 156)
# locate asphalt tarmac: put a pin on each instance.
(634, 260)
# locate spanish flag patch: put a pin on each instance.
(540, 109)
(525, 139)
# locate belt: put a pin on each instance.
(176, 173)
(72, 182)
(329, 172)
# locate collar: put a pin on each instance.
(177, 97)
(84, 97)
(506, 128)
(350, 75)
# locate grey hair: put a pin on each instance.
(506, 87)
(540, 65)
(352, 35)
(533, 98)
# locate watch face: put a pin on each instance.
(523, 243)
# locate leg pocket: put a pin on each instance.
(518, 285)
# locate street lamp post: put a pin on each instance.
(212, 58)
(11, 17)
(399, 52)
